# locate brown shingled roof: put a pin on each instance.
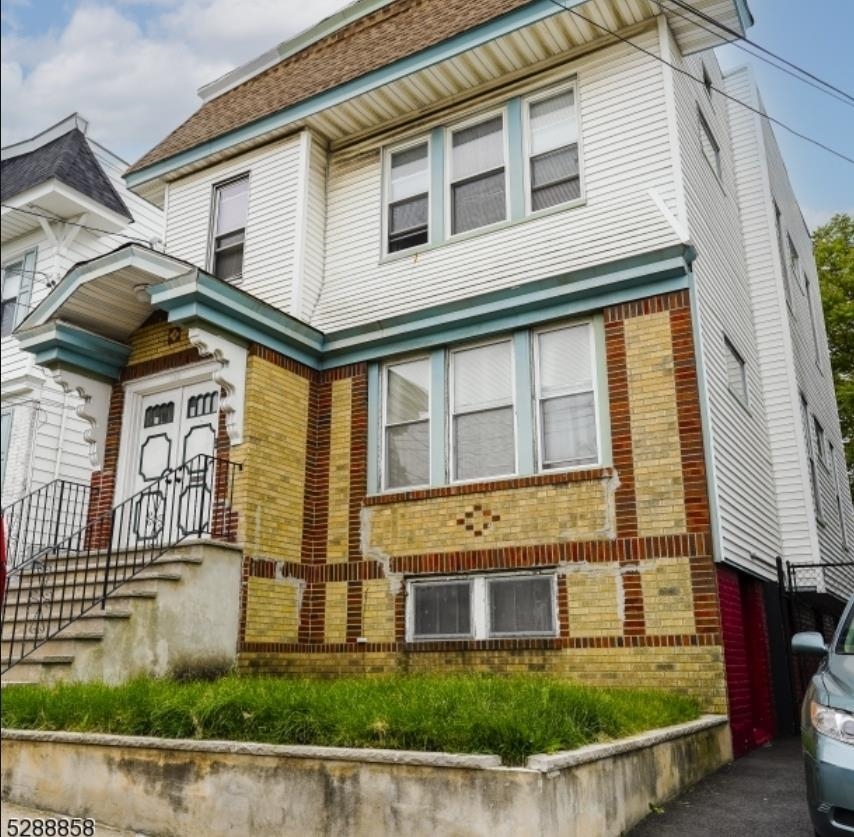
(396, 31)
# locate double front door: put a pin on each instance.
(172, 476)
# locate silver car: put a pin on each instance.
(827, 729)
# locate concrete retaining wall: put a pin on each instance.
(162, 787)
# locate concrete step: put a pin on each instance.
(81, 582)
(50, 668)
(88, 569)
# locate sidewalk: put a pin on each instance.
(760, 795)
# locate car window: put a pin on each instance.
(846, 635)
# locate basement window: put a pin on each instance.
(482, 607)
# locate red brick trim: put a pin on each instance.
(282, 361)
(497, 485)
(634, 623)
(690, 422)
(316, 494)
(354, 610)
(313, 614)
(650, 305)
(625, 499)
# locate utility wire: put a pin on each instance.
(844, 98)
(723, 93)
(73, 224)
(736, 35)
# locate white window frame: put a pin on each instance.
(23, 298)
(451, 413)
(385, 366)
(730, 348)
(537, 394)
(781, 249)
(387, 153)
(706, 128)
(481, 629)
(820, 440)
(214, 215)
(793, 259)
(843, 532)
(483, 116)
(529, 100)
(815, 482)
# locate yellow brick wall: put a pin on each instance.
(336, 612)
(595, 601)
(272, 613)
(157, 340)
(510, 517)
(694, 671)
(377, 611)
(337, 541)
(668, 600)
(656, 451)
(269, 492)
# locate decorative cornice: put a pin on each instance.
(231, 376)
(94, 408)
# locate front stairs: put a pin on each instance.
(181, 611)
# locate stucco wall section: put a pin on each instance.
(337, 539)
(656, 450)
(269, 491)
(272, 610)
(513, 517)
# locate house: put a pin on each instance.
(467, 336)
(64, 201)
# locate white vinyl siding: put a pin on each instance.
(626, 153)
(483, 438)
(274, 196)
(482, 607)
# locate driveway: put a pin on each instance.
(760, 795)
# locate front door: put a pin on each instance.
(175, 427)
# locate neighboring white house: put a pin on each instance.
(64, 201)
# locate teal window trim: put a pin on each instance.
(437, 185)
(525, 415)
(373, 448)
(524, 383)
(438, 411)
(515, 159)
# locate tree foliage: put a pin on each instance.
(834, 255)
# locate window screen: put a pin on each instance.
(408, 198)
(477, 187)
(553, 143)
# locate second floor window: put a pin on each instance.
(17, 288)
(711, 149)
(408, 198)
(478, 183)
(231, 203)
(553, 151)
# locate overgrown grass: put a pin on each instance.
(513, 717)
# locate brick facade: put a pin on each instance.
(325, 564)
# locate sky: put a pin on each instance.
(132, 68)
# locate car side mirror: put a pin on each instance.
(809, 642)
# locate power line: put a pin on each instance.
(844, 98)
(724, 28)
(145, 241)
(690, 75)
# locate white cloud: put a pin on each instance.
(137, 81)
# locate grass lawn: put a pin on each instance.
(512, 717)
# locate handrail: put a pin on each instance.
(49, 591)
(43, 517)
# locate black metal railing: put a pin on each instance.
(76, 574)
(42, 518)
(834, 577)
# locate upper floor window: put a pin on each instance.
(709, 144)
(736, 372)
(231, 203)
(707, 82)
(813, 326)
(478, 191)
(17, 289)
(820, 443)
(794, 259)
(784, 266)
(552, 145)
(408, 197)
(843, 533)
(482, 425)
(565, 397)
(815, 488)
(406, 424)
